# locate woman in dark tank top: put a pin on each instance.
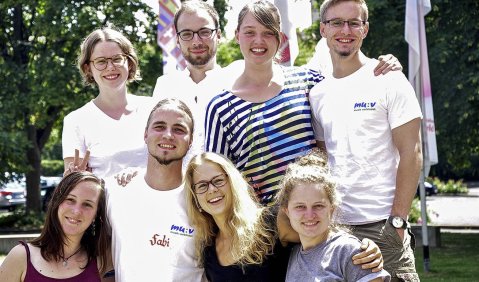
(74, 243)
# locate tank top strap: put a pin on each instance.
(27, 249)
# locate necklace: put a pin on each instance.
(65, 260)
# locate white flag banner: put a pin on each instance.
(294, 13)
(415, 34)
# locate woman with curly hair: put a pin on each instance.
(309, 199)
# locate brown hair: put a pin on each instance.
(266, 13)
(192, 7)
(175, 103)
(107, 34)
(95, 241)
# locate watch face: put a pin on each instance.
(397, 222)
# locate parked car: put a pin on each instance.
(47, 186)
(13, 194)
(430, 189)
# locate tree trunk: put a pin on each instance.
(33, 155)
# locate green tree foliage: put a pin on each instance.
(39, 43)
(452, 32)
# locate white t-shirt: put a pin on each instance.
(114, 144)
(152, 239)
(354, 115)
(196, 96)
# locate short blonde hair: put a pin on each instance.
(327, 4)
(107, 34)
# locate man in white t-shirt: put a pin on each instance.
(152, 238)
(369, 126)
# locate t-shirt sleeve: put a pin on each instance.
(402, 102)
(157, 90)
(72, 137)
(349, 247)
(315, 117)
(215, 139)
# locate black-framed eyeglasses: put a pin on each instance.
(217, 181)
(339, 23)
(101, 63)
(203, 33)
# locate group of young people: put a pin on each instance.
(261, 203)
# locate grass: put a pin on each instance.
(456, 260)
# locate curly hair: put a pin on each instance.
(310, 168)
(253, 238)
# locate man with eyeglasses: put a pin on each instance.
(198, 34)
(369, 126)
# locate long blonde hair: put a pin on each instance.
(252, 235)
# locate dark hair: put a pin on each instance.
(107, 34)
(192, 7)
(178, 104)
(96, 243)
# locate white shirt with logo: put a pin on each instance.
(152, 239)
(354, 115)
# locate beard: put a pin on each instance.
(165, 161)
(199, 60)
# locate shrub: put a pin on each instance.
(21, 220)
(415, 212)
(450, 187)
(52, 167)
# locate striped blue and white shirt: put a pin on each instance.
(261, 139)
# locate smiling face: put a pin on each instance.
(309, 211)
(79, 209)
(258, 44)
(216, 200)
(198, 52)
(113, 76)
(344, 41)
(168, 135)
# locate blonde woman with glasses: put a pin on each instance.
(111, 125)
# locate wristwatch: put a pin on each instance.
(398, 222)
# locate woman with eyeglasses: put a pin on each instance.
(111, 125)
(237, 239)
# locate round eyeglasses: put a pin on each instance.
(203, 33)
(101, 63)
(217, 181)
